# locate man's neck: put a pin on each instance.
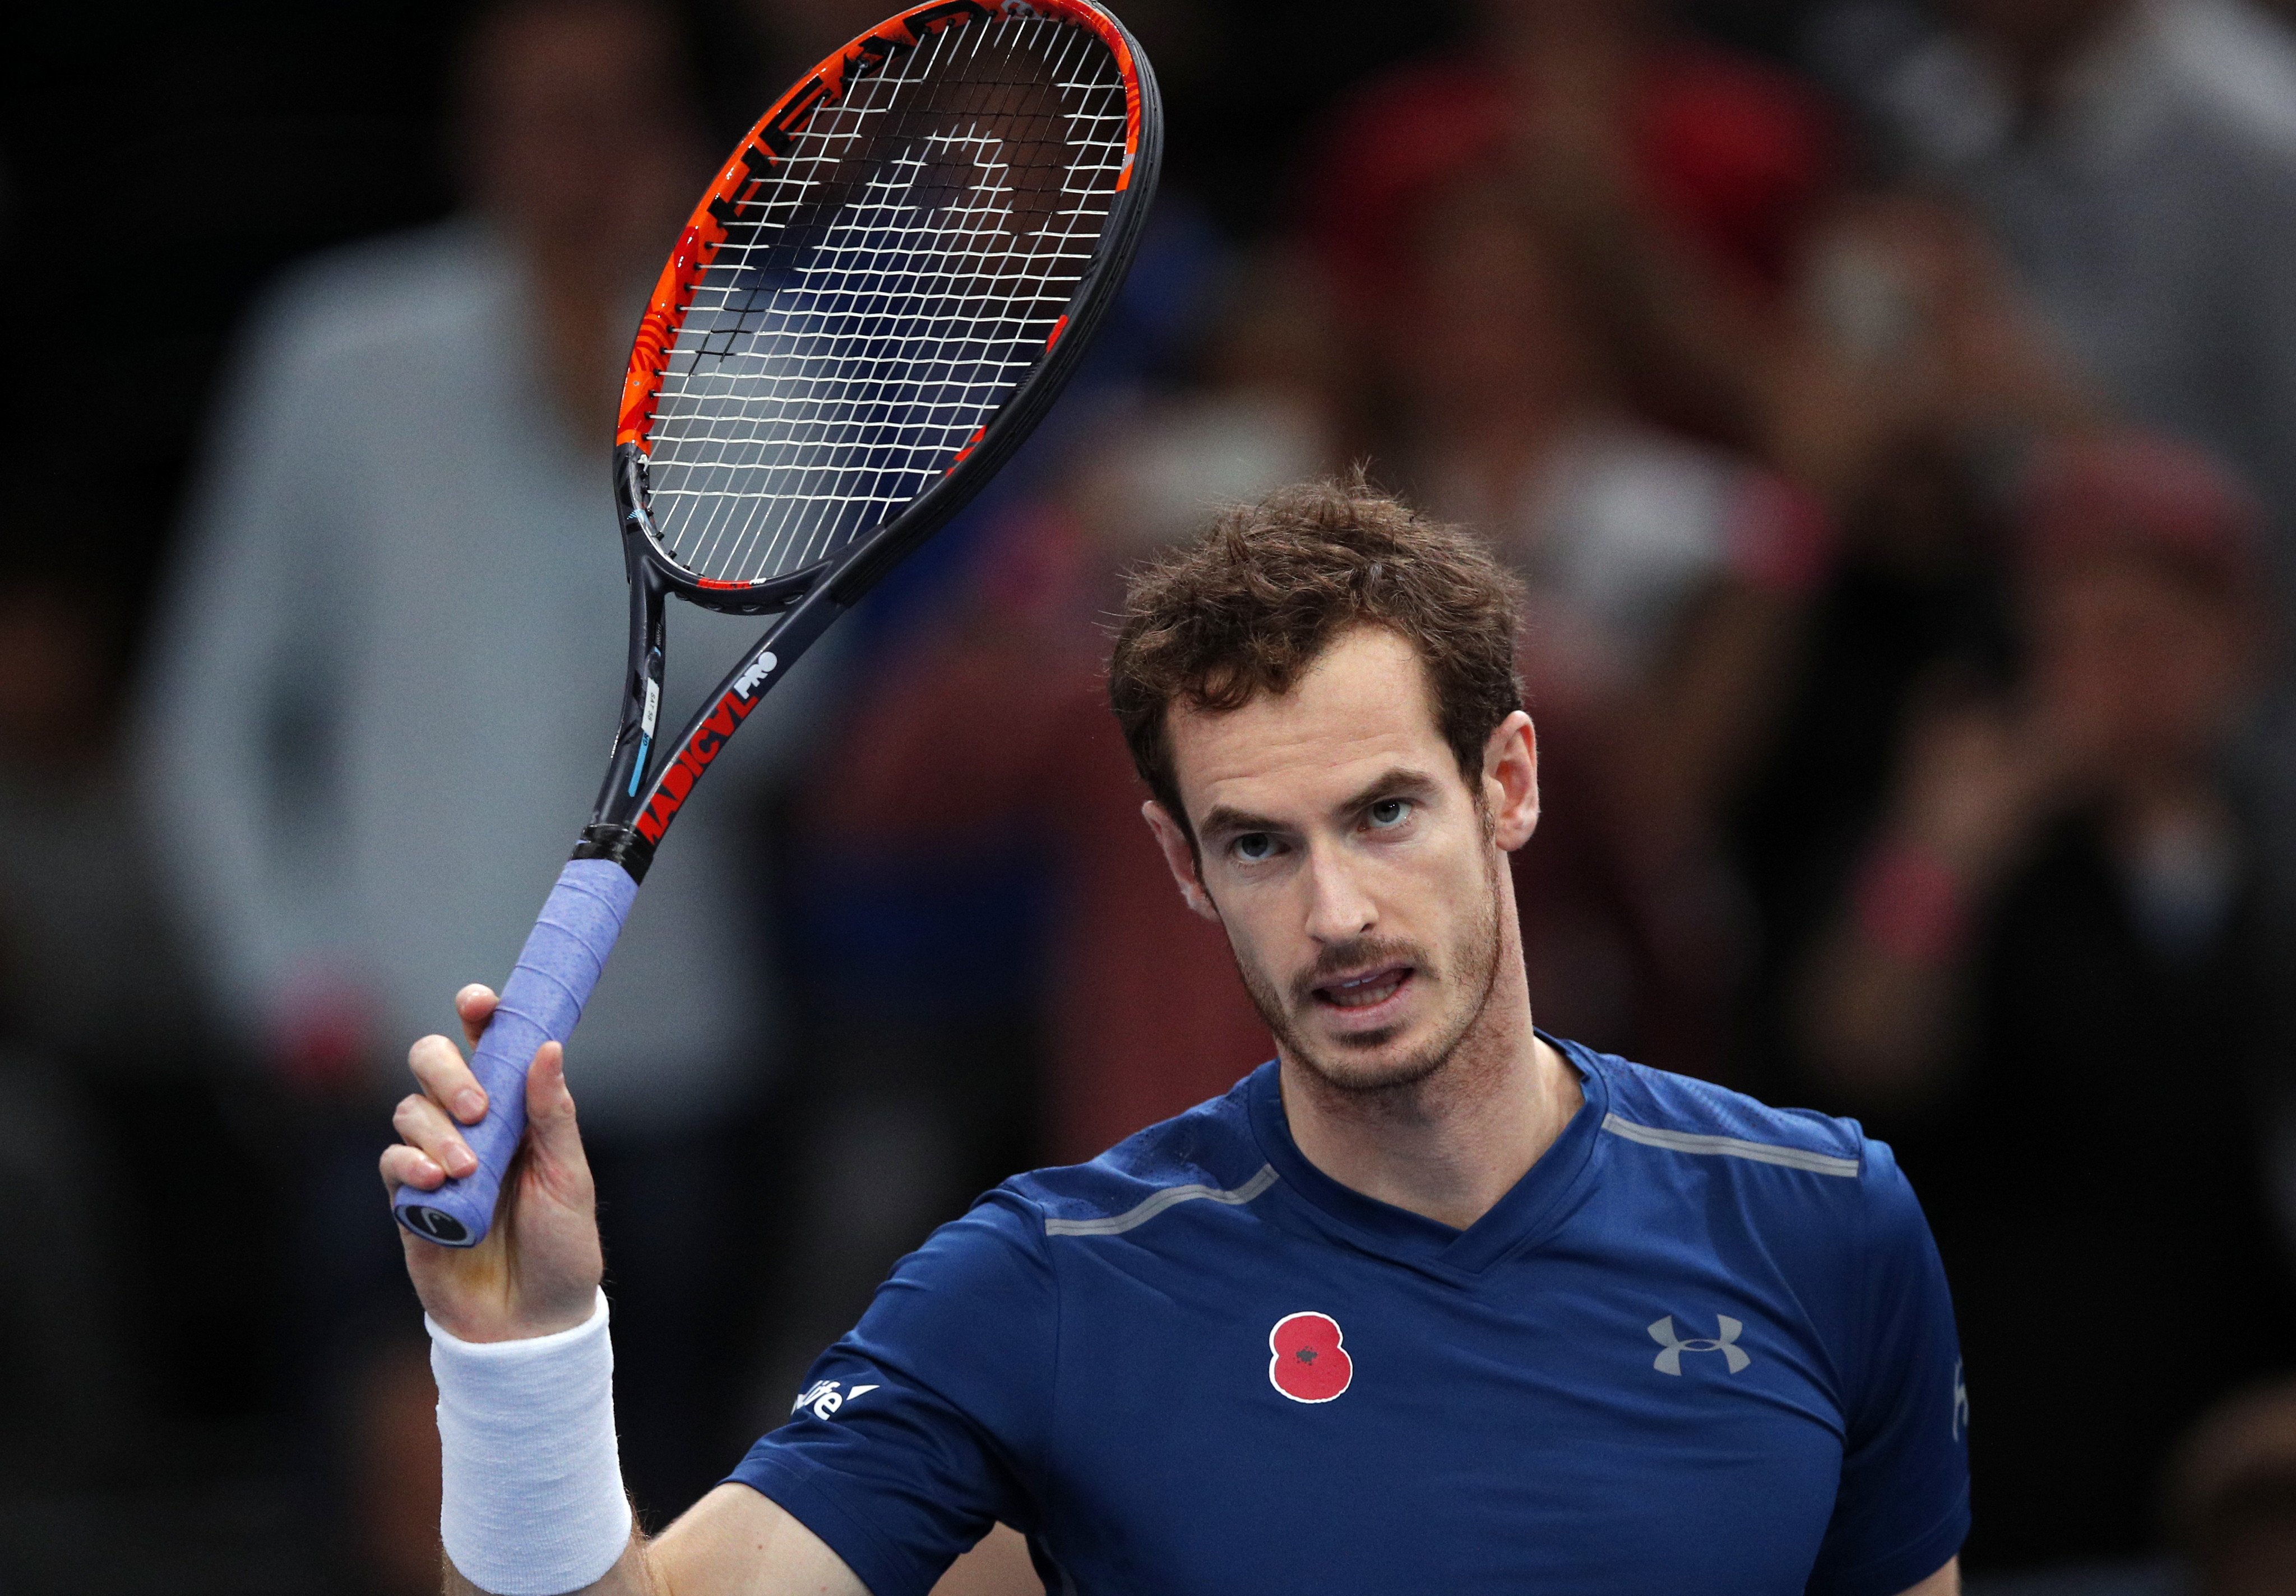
(1451, 1146)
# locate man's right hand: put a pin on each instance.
(536, 1274)
(537, 1271)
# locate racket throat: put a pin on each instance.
(620, 844)
(647, 716)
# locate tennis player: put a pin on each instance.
(1432, 1302)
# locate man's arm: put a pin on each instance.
(536, 1275)
(732, 1543)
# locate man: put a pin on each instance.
(1431, 1302)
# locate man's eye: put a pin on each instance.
(1389, 813)
(1255, 845)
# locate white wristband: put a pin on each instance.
(533, 1502)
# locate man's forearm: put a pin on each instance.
(732, 1543)
(630, 1576)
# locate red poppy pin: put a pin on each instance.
(1305, 1361)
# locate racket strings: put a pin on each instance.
(978, 220)
(963, 220)
(882, 293)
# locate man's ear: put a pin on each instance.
(1511, 780)
(1179, 858)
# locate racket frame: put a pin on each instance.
(650, 776)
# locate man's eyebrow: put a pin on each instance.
(1222, 820)
(1399, 783)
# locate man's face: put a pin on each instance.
(1357, 877)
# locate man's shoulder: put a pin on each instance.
(1806, 1185)
(1676, 1117)
(1207, 1155)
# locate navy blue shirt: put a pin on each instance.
(1703, 1347)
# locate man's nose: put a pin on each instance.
(1338, 909)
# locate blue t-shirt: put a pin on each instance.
(1703, 1347)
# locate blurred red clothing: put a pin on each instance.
(1147, 1014)
(1733, 153)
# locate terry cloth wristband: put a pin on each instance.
(533, 1502)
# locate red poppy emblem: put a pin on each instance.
(1305, 1360)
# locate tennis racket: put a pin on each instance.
(877, 300)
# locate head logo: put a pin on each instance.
(1672, 1347)
(1305, 1358)
(437, 1223)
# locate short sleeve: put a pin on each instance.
(923, 1426)
(1903, 1507)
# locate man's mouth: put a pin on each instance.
(1365, 991)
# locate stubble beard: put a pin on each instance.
(1474, 970)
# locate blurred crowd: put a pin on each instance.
(1891, 407)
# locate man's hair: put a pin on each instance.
(1249, 607)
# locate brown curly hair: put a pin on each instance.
(1250, 606)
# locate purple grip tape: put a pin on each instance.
(541, 1002)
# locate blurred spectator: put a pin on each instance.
(380, 696)
(1909, 377)
(2051, 978)
(2136, 159)
(1674, 178)
(2232, 1496)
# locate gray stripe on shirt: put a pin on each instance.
(1157, 1204)
(1730, 1147)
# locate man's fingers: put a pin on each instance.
(476, 1005)
(404, 1166)
(423, 1124)
(446, 1077)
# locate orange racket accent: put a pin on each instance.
(771, 138)
(1059, 327)
(970, 444)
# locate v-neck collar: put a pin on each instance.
(1532, 1207)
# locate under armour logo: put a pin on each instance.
(1672, 1346)
(1960, 1402)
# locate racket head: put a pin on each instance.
(885, 288)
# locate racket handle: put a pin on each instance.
(540, 1003)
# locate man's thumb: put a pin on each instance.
(550, 1108)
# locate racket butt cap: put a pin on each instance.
(435, 1224)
